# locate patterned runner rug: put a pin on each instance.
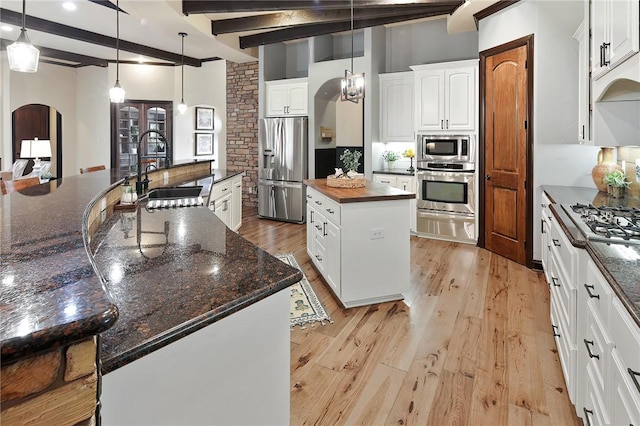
(306, 308)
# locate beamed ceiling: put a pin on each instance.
(149, 29)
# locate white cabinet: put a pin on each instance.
(236, 208)
(361, 249)
(287, 97)
(225, 200)
(396, 107)
(615, 27)
(406, 183)
(446, 96)
(584, 84)
(545, 240)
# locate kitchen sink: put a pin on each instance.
(178, 196)
(175, 192)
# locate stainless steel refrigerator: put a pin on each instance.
(282, 157)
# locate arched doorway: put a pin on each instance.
(42, 122)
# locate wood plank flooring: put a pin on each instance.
(471, 344)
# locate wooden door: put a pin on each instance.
(505, 153)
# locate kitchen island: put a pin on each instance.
(88, 290)
(358, 239)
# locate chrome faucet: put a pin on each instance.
(140, 187)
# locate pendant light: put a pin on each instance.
(116, 93)
(353, 84)
(23, 56)
(182, 107)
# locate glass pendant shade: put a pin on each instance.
(182, 107)
(116, 93)
(23, 56)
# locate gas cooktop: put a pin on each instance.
(609, 224)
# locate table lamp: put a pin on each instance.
(35, 149)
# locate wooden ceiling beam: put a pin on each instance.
(304, 31)
(76, 58)
(50, 27)
(227, 6)
(306, 17)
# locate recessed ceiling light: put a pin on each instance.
(140, 59)
(7, 28)
(69, 5)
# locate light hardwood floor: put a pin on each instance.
(471, 344)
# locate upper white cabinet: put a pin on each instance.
(396, 107)
(446, 96)
(615, 27)
(287, 97)
(584, 84)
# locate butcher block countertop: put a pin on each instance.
(371, 192)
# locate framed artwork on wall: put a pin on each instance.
(204, 118)
(204, 143)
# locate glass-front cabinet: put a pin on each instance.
(131, 119)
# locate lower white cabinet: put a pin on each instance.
(225, 200)
(361, 249)
(406, 183)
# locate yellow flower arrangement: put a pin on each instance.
(409, 153)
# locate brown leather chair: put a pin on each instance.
(7, 186)
(92, 169)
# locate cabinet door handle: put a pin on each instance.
(324, 229)
(633, 375)
(385, 181)
(447, 121)
(319, 258)
(586, 415)
(582, 136)
(591, 295)
(555, 242)
(543, 205)
(442, 124)
(542, 225)
(318, 227)
(308, 196)
(555, 330)
(591, 354)
(225, 189)
(555, 281)
(318, 203)
(330, 211)
(311, 216)
(604, 55)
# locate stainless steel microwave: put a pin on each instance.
(448, 148)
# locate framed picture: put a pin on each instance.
(204, 143)
(204, 118)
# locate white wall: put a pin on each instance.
(53, 86)
(558, 158)
(81, 96)
(349, 118)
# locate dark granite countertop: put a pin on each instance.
(51, 295)
(171, 272)
(619, 263)
(395, 171)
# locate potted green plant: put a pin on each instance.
(390, 157)
(616, 181)
(351, 160)
(45, 177)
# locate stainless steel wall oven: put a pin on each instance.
(447, 188)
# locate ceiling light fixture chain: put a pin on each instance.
(116, 94)
(352, 86)
(23, 56)
(182, 106)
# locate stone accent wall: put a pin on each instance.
(56, 387)
(242, 126)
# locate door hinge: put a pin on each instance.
(525, 64)
(525, 124)
(524, 243)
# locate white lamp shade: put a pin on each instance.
(23, 56)
(35, 148)
(116, 93)
(182, 107)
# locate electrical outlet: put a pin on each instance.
(376, 233)
(165, 176)
(250, 190)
